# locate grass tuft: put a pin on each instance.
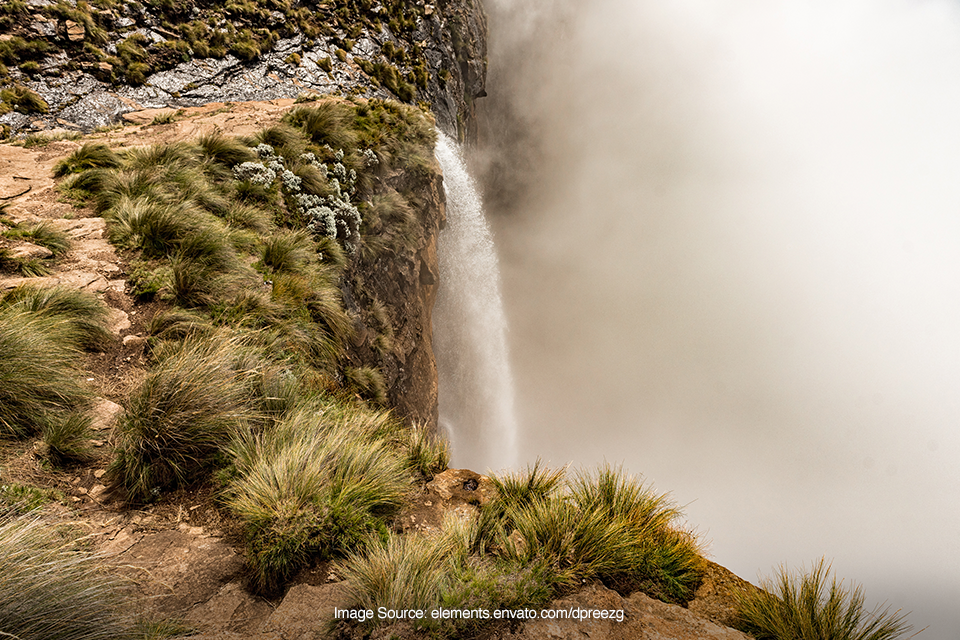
(38, 374)
(320, 483)
(49, 589)
(288, 251)
(65, 438)
(83, 315)
(89, 156)
(43, 234)
(188, 407)
(806, 607)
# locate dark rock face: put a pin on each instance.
(450, 39)
(405, 283)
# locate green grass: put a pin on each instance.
(812, 606)
(65, 438)
(538, 538)
(51, 590)
(190, 405)
(415, 571)
(366, 383)
(318, 484)
(405, 572)
(39, 354)
(288, 251)
(327, 122)
(24, 100)
(83, 315)
(90, 155)
(17, 499)
(426, 452)
(42, 234)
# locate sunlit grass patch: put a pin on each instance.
(50, 589)
(317, 484)
(38, 370)
(813, 606)
(189, 406)
(83, 315)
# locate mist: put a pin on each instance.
(729, 239)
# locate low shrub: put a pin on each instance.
(804, 607)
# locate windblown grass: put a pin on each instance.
(317, 484)
(190, 405)
(43, 234)
(327, 122)
(89, 156)
(426, 452)
(50, 590)
(83, 315)
(290, 251)
(805, 607)
(38, 374)
(66, 438)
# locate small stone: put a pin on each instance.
(133, 340)
(96, 490)
(28, 251)
(99, 473)
(106, 67)
(75, 32)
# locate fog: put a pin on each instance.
(729, 238)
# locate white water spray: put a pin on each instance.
(476, 385)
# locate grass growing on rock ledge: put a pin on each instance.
(249, 246)
(541, 536)
(804, 606)
(51, 588)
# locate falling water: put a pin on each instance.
(730, 250)
(476, 385)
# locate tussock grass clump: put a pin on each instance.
(289, 251)
(51, 590)
(23, 99)
(367, 383)
(317, 484)
(405, 572)
(83, 314)
(804, 607)
(429, 572)
(327, 122)
(190, 405)
(538, 538)
(65, 438)
(89, 156)
(43, 234)
(38, 374)
(426, 452)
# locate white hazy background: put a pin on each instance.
(729, 233)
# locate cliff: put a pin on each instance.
(248, 341)
(92, 62)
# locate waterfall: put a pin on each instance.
(470, 342)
